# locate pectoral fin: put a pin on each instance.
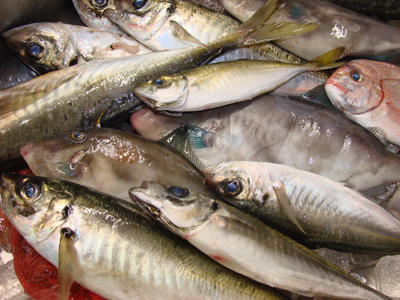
(319, 95)
(183, 35)
(284, 202)
(381, 194)
(67, 262)
(180, 141)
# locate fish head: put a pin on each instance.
(35, 206)
(164, 93)
(81, 155)
(141, 19)
(42, 46)
(91, 15)
(355, 87)
(243, 184)
(181, 210)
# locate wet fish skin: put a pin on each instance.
(219, 84)
(50, 46)
(281, 130)
(366, 92)
(122, 253)
(307, 207)
(93, 19)
(110, 161)
(362, 35)
(246, 245)
(164, 25)
(75, 97)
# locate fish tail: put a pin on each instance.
(327, 60)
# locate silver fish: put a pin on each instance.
(110, 161)
(74, 97)
(306, 206)
(363, 36)
(220, 84)
(246, 245)
(299, 134)
(110, 247)
(52, 46)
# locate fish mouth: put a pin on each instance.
(138, 196)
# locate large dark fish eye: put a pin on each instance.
(34, 50)
(30, 191)
(78, 137)
(232, 188)
(158, 82)
(99, 3)
(178, 191)
(355, 76)
(138, 4)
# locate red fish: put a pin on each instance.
(368, 93)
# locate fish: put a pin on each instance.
(246, 245)
(92, 19)
(77, 97)
(214, 85)
(283, 130)
(307, 207)
(110, 161)
(387, 8)
(366, 92)
(363, 36)
(50, 46)
(110, 247)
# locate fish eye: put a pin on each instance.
(30, 191)
(233, 188)
(355, 76)
(34, 50)
(138, 4)
(158, 82)
(78, 137)
(99, 3)
(179, 191)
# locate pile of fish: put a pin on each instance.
(257, 135)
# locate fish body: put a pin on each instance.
(362, 35)
(218, 84)
(77, 96)
(281, 130)
(246, 245)
(307, 206)
(53, 46)
(367, 92)
(117, 251)
(164, 25)
(110, 161)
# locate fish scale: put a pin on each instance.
(122, 254)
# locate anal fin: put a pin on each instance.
(284, 202)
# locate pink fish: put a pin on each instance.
(368, 92)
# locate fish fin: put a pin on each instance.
(196, 136)
(25, 94)
(260, 16)
(284, 203)
(379, 133)
(183, 35)
(278, 30)
(381, 194)
(97, 119)
(331, 56)
(67, 261)
(179, 140)
(318, 95)
(167, 113)
(65, 168)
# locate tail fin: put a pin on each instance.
(327, 60)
